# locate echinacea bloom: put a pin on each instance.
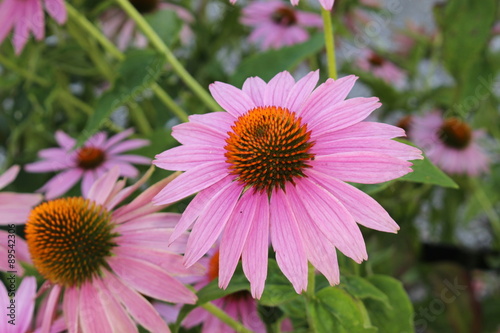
(118, 26)
(21, 318)
(15, 207)
(275, 164)
(450, 143)
(276, 24)
(95, 157)
(326, 4)
(380, 67)
(102, 258)
(25, 16)
(240, 305)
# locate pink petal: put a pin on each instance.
(117, 138)
(8, 16)
(232, 99)
(301, 91)
(57, 10)
(50, 165)
(9, 176)
(184, 158)
(136, 159)
(197, 206)
(211, 222)
(255, 87)
(71, 308)
(22, 28)
(127, 145)
(50, 308)
(64, 140)
(320, 251)
(367, 130)
(362, 167)
(25, 303)
(138, 307)
(235, 236)
(37, 19)
(363, 208)
(61, 183)
(150, 280)
(287, 242)
(342, 115)
(192, 181)
(327, 4)
(326, 96)
(198, 134)
(154, 220)
(102, 187)
(218, 121)
(333, 219)
(278, 89)
(92, 313)
(255, 251)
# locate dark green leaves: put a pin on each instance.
(136, 73)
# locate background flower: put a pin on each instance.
(95, 157)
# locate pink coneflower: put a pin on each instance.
(380, 67)
(21, 321)
(276, 24)
(117, 25)
(275, 164)
(15, 207)
(103, 258)
(326, 4)
(25, 16)
(97, 155)
(450, 143)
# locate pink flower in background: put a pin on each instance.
(380, 67)
(275, 164)
(117, 25)
(102, 258)
(276, 24)
(326, 4)
(450, 143)
(406, 40)
(15, 207)
(97, 155)
(23, 16)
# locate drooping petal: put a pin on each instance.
(255, 251)
(50, 308)
(71, 308)
(57, 10)
(92, 314)
(25, 303)
(287, 242)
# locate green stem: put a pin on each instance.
(139, 118)
(163, 48)
(27, 74)
(115, 52)
(311, 281)
(225, 318)
(329, 43)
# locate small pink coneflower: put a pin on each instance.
(276, 24)
(118, 26)
(326, 4)
(25, 16)
(102, 258)
(380, 67)
(450, 143)
(97, 155)
(15, 207)
(275, 164)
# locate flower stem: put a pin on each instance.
(225, 318)
(115, 52)
(309, 296)
(26, 73)
(163, 48)
(329, 43)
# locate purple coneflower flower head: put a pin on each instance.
(97, 155)
(15, 207)
(276, 24)
(102, 258)
(118, 26)
(25, 16)
(275, 164)
(380, 67)
(450, 143)
(326, 4)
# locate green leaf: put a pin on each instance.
(136, 73)
(167, 24)
(212, 292)
(278, 289)
(267, 64)
(335, 310)
(426, 172)
(361, 288)
(399, 316)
